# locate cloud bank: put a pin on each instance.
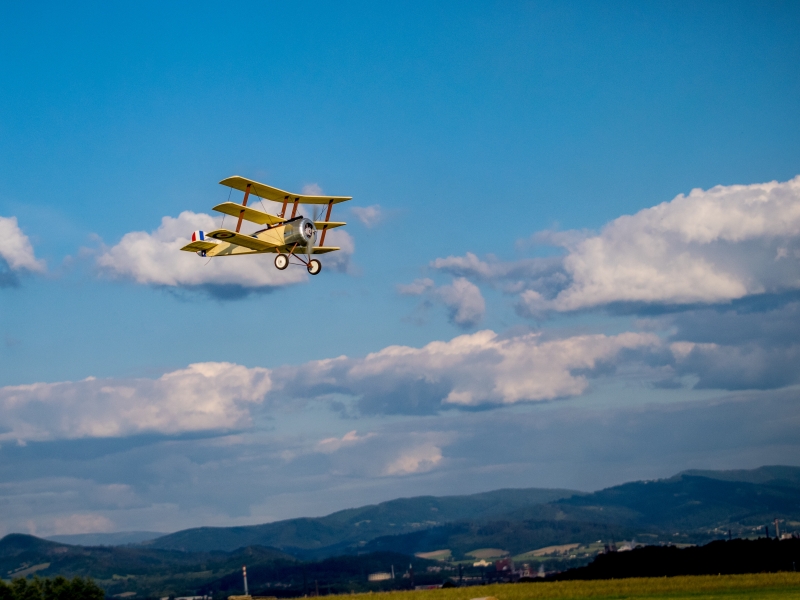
(708, 247)
(203, 396)
(155, 259)
(481, 369)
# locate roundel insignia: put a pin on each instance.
(224, 235)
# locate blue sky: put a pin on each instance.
(493, 151)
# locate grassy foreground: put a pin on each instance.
(729, 587)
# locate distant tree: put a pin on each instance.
(27, 590)
(58, 588)
(6, 593)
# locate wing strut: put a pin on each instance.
(325, 228)
(294, 207)
(244, 203)
(283, 210)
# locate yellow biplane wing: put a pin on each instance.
(270, 193)
(328, 224)
(225, 235)
(322, 250)
(248, 214)
(198, 246)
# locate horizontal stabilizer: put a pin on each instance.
(248, 214)
(270, 193)
(225, 235)
(198, 246)
(328, 224)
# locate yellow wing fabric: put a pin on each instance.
(320, 225)
(225, 235)
(250, 214)
(270, 193)
(197, 246)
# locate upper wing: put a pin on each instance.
(248, 214)
(240, 240)
(276, 195)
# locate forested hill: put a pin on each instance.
(337, 532)
(690, 507)
(686, 508)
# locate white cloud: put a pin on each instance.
(155, 258)
(464, 301)
(329, 445)
(312, 189)
(462, 298)
(509, 276)
(203, 396)
(82, 523)
(16, 249)
(708, 247)
(420, 459)
(469, 370)
(416, 287)
(368, 215)
(339, 261)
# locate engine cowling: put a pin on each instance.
(299, 232)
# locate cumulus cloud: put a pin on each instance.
(464, 302)
(483, 368)
(368, 215)
(333, 444)
(419, 459)
(462, 298)
(154, 258)
(203, 396)
(470, 370)
(416, 287)
(543, 274)
(312, 189)
(16, 249)
(710, 246)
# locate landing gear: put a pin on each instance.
(281, 262)
(314, 266)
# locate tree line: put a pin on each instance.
(58, 588)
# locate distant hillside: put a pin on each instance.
(147, 572)
(685, 508)
(690, 508)
(776, 475)
(120, 538)
(689, 503)
(341, 531)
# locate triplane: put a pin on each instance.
(289, 238)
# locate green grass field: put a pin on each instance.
(728, 587)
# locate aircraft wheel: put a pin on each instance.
(281, 262)
(314, 266)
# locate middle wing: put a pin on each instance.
(247, 241)
(248, 214)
